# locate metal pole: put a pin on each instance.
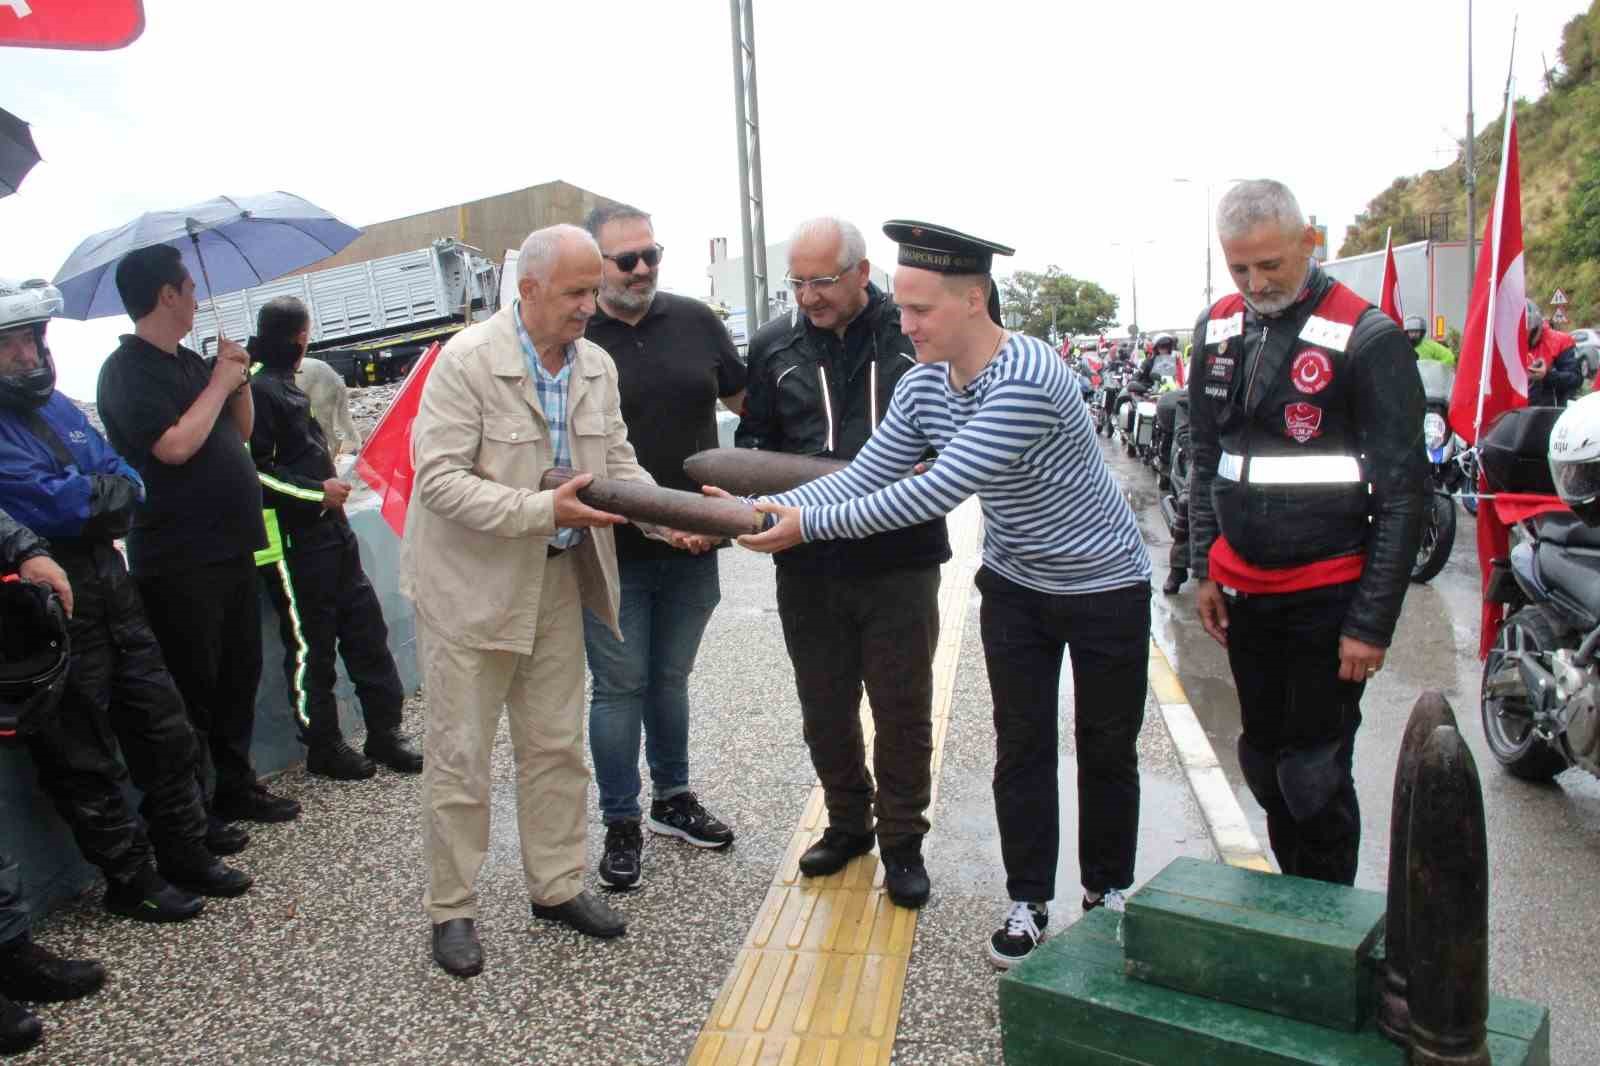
(750, 321)
(1472, 176)
(756, 204)
(1208, 244)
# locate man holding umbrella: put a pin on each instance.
(183, 426)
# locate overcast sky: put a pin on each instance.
(1053, 127)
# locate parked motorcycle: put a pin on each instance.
(1540, 698)
(1112, 379)
(1445, 474)
(1136, 424)
(1175, 503)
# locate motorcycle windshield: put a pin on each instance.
(1437, 380)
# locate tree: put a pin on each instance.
(1581, 238)
(1056, 300)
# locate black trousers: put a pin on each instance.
(1025, 633)
(1172, 414)
(13, 911)
(119, 695)
(327, 607)
(880, 632)
(208, 622)
(1300, 724)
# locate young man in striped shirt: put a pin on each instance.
(1063, 564)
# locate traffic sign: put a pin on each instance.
(1558, 299)
(1438, 327)
(1560, 316)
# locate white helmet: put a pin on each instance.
(1575, 457)
(24, 303)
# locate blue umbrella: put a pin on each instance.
(228, 244)
(17, 152)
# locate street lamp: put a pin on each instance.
(1133, 271)
(1208, 187)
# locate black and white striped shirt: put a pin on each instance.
(1019, 436)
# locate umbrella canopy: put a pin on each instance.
(17, 153)
(227, 243)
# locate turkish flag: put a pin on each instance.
(385, 460)
(1389, 292)
(96, 25)
(1492, 376)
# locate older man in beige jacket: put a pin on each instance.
(500, 571)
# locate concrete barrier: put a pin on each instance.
(34, 836)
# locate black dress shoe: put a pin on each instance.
(394, 751)
(905, 877)
(587, 913)
(836, 848)
(456, 948)
(224, 839)
(1174, 582)
(35, 973)
(257, 805)
(147, 897)
(19, 1029)
(339, 761)
(218, 880)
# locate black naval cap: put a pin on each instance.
(946, 251)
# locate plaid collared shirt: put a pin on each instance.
(552, 390)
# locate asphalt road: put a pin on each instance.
(1544, 841)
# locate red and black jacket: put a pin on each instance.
(1331, 380)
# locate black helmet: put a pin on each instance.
(1535, 323)
(29, 304)
(33, 657)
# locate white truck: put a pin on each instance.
(370, 320)
(1433, 281)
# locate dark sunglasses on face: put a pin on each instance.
(628, 260)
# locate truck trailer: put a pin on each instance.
(1434, 281)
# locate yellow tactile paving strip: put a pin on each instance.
(823, 969)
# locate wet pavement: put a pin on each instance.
(326, 960)
(1544, 841)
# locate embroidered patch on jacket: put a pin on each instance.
(1311, 371)
(1329, 334)
(1302, 421)
(1220, 329)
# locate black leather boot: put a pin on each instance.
(1174, 582)
(393, 750)
(836, 848)
(339, 761)
(147, 897)
(905, 877)
(38, 975)
(19, 1029)
(456, 948)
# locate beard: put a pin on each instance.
(630, 298)
(1278, 302)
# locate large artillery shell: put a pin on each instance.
(1447, 989)
(688, 512)
(752, 472)
(1430, 712)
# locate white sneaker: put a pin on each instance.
(1023, 930)
(1111, 899)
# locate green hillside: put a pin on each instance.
(1559, 141)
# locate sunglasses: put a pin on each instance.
(628, 260)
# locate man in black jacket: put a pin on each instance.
(312, 566)
(853, 612)
(1304, 511)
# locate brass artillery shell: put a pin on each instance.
(688, 512)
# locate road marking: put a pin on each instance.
(822, 973)
(1235, 841)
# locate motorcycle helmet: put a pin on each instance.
(29, 305)
(1575, 458)
(1535, 323)
(1416, 329)
(34, 650)
(1164, 342)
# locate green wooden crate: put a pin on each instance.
(1282, 944)
(1072, 1003)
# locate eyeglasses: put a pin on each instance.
(816, 284)
(628, 260)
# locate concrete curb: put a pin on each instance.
(1230, 831)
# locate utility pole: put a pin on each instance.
(751, 206)
(1472, 175)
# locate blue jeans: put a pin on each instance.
(642, 681)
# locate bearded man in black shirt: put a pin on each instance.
(183, 426)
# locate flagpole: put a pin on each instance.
(1498, 207)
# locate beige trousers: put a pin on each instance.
(542, 695)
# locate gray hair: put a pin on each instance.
(537, 258)
(852, 245)
(613, 212)
(1251, 203)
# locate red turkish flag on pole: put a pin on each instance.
(1492, 376)
(80, 24)
(1389, 291)
(385, 460)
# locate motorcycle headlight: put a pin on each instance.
(1434, 430)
